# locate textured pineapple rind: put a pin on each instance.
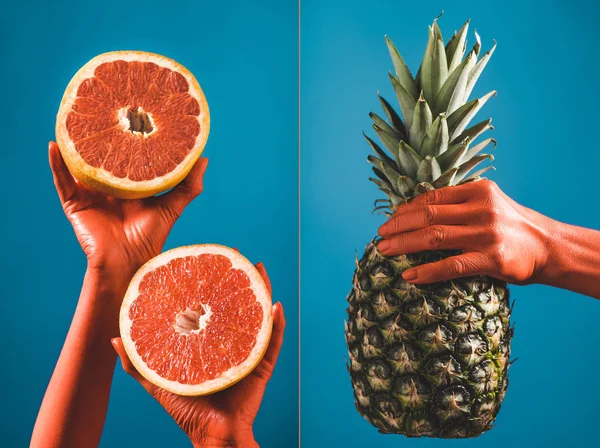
(427, 360)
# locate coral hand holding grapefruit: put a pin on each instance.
(196, 319)
(132, 124)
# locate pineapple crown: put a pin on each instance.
(431, 147)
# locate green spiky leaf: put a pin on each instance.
(434, 68)
(477, 46)
(381, 184)
(380, 152)
(406, 100)
(393, 117)
(455, 50)
(405, 186)
(390, 142)
(408, 159)
(474, 131)
(421, 122)
(452, 92)
(382, 124)
(476, 71)
(454, 155)
(402, 72)
(460, 118)
(472, 152)
(445, 179)
(436, 140)
(466, 167)
(476, 175)
(429, 170)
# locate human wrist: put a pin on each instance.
(109, 281)
(221, 444)
(554, 266)
(241, 439)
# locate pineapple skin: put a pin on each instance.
(426, 360)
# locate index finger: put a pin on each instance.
(441, 196)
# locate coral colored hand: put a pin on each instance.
(498, 237)
(222, 419)
(116, 235)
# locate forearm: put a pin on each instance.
(74, 406)
(574, 259)
(216, 443)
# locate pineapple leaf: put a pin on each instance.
(387, 191)
(452, 93)
(380, 152)
(476, 71)
(475, 131)
(406, 100)
(466, 167)
(436, 140)
(380, 184)
(476, 175)
(451, 158)
(393, 117)
(402, 72)
(381, 207)
(434, 68)
(472, 152)
(445, 179)
(380, 174)
(429, 170)
(382, 124)
(460, 118)
(477, 46)
(390, 142)
(389, 171)
(455, 50)
(377, 201)
(421, 122)
(408, 159)
(405, 186)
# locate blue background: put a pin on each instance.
(245, 57)
(546, 72)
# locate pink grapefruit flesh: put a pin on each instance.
(132, 124)
(196, 319)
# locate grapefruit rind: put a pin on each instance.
(230, 376)
(102, 180)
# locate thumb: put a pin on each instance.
(128, 366)
(179, 197)
(63, 180)
(265, 368)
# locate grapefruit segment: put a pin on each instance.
(132, 124)
(196, 319)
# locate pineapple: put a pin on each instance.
(428, 360)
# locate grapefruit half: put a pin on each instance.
(196, 319)
(132, 124)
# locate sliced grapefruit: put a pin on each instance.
(132, 124)
(196, 319)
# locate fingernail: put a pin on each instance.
(409, 275)
(383, 245)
